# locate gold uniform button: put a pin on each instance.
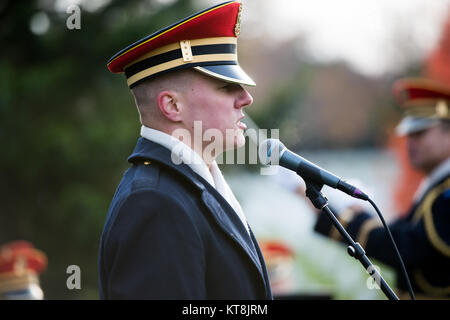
(146, 163)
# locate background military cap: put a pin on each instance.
(425, 103)
(20, 266)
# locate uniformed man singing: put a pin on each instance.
(423, 235)
(174, 229)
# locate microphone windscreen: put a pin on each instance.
(269, 151)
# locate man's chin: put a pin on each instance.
(240, 141)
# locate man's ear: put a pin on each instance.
(169, 105)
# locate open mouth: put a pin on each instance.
(242, 125)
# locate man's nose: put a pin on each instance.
(244, 99)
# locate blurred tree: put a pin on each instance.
(67, 126)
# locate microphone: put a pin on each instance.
(273, 152)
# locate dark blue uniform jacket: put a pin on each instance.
(422, 237)
(170, 235)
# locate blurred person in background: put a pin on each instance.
(423, 234)
(20, 266)
(174, 229)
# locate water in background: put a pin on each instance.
(274, 212)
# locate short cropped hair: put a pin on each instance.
(146, 93)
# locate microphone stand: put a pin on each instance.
(354, 249)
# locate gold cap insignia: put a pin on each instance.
(237, 27)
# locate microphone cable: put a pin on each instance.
(402, 265)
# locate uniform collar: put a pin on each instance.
(149, 150)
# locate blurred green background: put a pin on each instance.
(67, 125)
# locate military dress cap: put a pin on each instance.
(20, 266)
(425, 103)
(205, 41)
